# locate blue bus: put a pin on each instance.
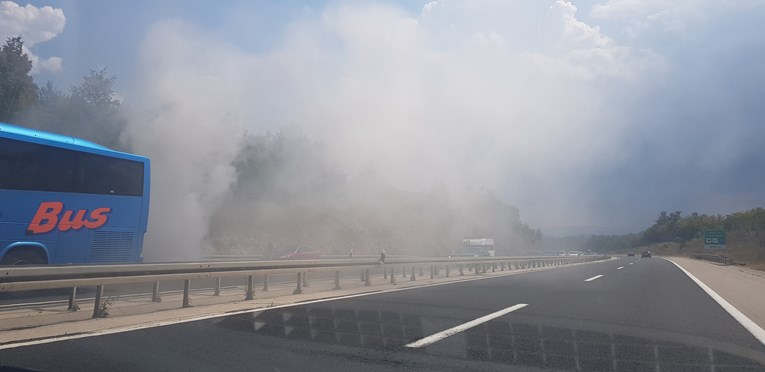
(66, 200)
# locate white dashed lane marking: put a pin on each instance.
(593, 278)
(464, 326)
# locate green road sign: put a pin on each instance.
(714, 239)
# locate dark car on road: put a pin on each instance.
(646, 254)
(631, 254)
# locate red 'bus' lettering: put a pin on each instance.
(99, 218)
(48, 212)
(67, 222)
(47, 217)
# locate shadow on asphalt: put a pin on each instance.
(518, 343)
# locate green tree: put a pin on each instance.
(97, 91)
(17, 89)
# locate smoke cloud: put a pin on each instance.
(557, 116)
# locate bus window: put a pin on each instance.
(110, 176)
(29, 166)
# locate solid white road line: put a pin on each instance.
(751, 326)
(593, 278)
(620, 267)
(464, 326)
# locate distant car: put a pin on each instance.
(574, 253)
(646, 254)
(562, 253)
(301, 253)
(631, 254)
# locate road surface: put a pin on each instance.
(629, 314)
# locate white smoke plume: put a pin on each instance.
(521, 97)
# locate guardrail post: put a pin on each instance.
(403, 272)
(299, 288)
(186, 288)
(266, 279)
(493, 266)
(447, 270)
(392, 275)
(431, 271)
(385, 273)
(98, 311)
(250, 290)
(420, 270)
(337, 280)
(368, 281)
(412, 278)
(305, 280)
(73, 300)
(459, 266)
(363, 277)
(155, 293)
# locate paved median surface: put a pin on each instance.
(742, 287)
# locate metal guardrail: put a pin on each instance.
(19, 278)
(257, 257)
(716, 258)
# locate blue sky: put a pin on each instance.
(590, 116)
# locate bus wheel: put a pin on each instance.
(22, 257)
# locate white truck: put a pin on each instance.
(483, 247)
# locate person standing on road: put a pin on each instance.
(382, 256)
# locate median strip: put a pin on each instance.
(593, 278)
(462, 327)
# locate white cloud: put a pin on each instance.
(677, 16)
(35, 25)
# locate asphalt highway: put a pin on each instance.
(629, 314)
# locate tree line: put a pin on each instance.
(87, 110)
(674, 227)
(290, 192)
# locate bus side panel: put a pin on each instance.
(117, 239)
(9, 232)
